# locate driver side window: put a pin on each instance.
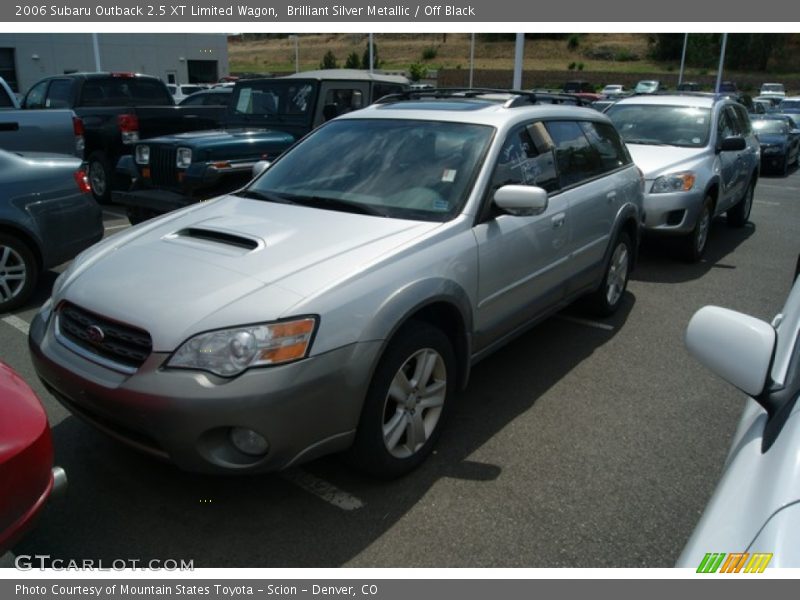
(35, 97)
(526, 158)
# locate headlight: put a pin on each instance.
(674, 182)
(228, 352)
(184, 158)
(142, 155)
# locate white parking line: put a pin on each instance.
(778, 187)
(117, 227)
(587, 322)
(17, 323)
(767, 203)
(114, 214)
(322, 489)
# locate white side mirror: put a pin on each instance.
(260, 167)
(521, 200)
(735, 346)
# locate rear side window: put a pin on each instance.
(605, 139)
(35, 97)
(380, 90)
(526, 158)
(59, 94)
(744, 120)
(577, 159)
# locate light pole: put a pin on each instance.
(721, 62)
(519, 56)
(471, 58)
(296, 37)
(683, 57)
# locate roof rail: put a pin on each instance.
(517, 97)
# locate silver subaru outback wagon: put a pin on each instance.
(338, 301)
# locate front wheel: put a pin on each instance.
(696, 242)
(18, 272)
(406, 404)
(606, 299)
(101, 177)
(740, 213)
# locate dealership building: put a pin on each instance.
(174, 57)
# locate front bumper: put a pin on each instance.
(774, 162)
(673, 213)
(304, 409)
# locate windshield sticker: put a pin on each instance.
(696, 140)
(449, 175)
(441, 205)
(243, 105)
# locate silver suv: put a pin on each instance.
(700, 159)
(338, 301)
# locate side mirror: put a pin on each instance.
(521, 200)
(260, 167)
(732, 144)
(735, 346)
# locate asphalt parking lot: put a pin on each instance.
(582, 444)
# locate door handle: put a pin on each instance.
(610, 196)
(558, 220)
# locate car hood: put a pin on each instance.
(657, 160)
(227, 262)
(22, 418)
(771, 139)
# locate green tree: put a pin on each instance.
(329, 61)
(417, 71)
(376, 63)
(352, 62)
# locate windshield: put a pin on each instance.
(646, 86)
(769, 126)
(662, 125)
(274, 97)
(790, 105)
(397, 168)
(772, 87)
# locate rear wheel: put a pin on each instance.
(696, 242)
(18, 272)
(140, 215)
(408, 399)
(607, 298)
(739, 214)
(101, 176)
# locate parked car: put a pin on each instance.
(755, 508)
(59, 131)
(27, 475)
(790, 105)
(766, 104)
(780, 142)
(180, 91)
(47, 216)
(648, 86)
(220, 96)
(700, 159)
(775, 90)
(263, 118)
(117, 109)
(689, 86)
(728, 87)
(577, 86)
(612, 91)
(338, 301)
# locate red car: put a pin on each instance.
(27, 474)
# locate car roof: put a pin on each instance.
(696, 99)
(493, 109)
(348, 74)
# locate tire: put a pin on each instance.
(402, 418)
(696, 242)
(605, 301)
(101, 177)
(19, 272)
(139, 215)
(739, 214)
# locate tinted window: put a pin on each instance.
(384, 89)
(275, 98)
(605, 139)
(526, 158)
(340, 101)
(577, 159)
(59, 94)
(125, 91)
(35, 97)
(727, 126)
(743, 119)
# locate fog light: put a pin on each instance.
(248, 441)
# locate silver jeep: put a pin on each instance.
(338, 301)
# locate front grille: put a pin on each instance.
(107, 339)
(162, 165)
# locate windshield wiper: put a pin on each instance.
(646, 142)
(265, 195)
(337, 204)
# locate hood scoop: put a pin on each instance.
(216, 239)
